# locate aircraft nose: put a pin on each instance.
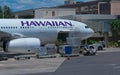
(87, 33)
(91, 31)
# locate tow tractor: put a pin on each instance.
(86, 50)
(98, 46)
(92, 48)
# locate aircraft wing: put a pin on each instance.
(4, 35)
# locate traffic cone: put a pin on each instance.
(68, 58)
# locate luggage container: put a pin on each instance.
(48, 51)
(68, 50)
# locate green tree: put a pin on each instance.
(7, 12)
(1, 12)
(115, 28)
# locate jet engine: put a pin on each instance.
(22, 45)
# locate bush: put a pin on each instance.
(91, 41)
(114, 44)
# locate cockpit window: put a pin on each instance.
(86, 26)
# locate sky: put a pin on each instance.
(19, 5)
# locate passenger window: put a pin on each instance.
(86, 26)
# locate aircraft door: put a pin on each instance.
(62, 36)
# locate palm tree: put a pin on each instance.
(115, 28)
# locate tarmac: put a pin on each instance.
(14, 67)
(38, 66)
(109, 50)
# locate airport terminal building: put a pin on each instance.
(106, 7)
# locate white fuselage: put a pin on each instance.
(45, 29)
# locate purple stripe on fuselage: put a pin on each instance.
(46, 23)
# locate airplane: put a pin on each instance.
(27, 35)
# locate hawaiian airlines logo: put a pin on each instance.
(46, 23)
